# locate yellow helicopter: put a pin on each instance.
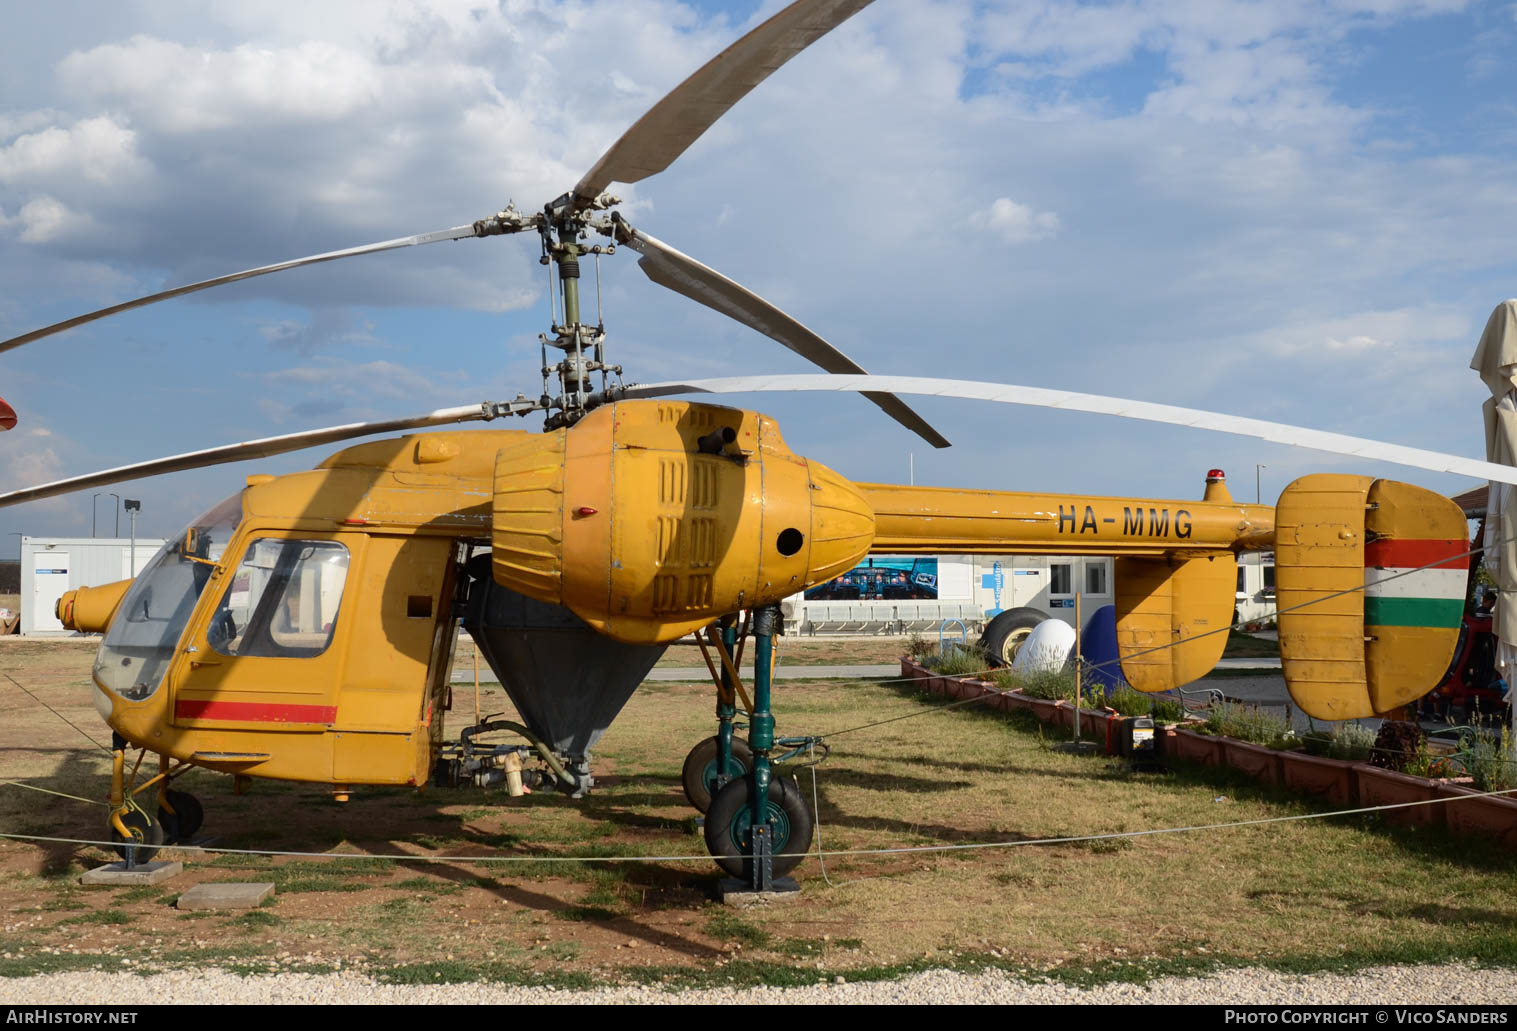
(304, 628)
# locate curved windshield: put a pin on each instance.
(140, 643)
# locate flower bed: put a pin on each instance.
(1195, 747)
(1262, 764)
(1493, 816)
(1339, 782)
(1333, 779)
(1377, 786)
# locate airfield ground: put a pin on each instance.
(1318, 894)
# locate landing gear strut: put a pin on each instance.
(758, 828)
(138, 832)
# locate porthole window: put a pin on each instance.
(790, 541)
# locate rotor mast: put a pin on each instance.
(561, 226)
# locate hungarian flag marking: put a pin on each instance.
(1415, 582)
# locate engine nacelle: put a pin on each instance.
(90, 610)
(651, 518)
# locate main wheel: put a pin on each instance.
(143, 832)
(729, 825)
(186, 818)
(1005, 634)
(700, 773)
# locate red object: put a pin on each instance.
(7, 415)
(1467, 684)
(1398, 553)
(255, 712)
(1216, 474)
(354, 522)
(585, 510)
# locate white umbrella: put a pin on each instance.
(1496, 362)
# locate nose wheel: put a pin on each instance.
(136, 834)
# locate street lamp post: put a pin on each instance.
(133, 507)
(93, 497)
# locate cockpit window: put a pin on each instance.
(282, 601)
(140, 644)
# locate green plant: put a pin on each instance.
(1092, 696)
(1487, 757)
(1424, 763)
(1129, 702)
(957, 661)
(1249, 723)
(1041, 683)
(1351, 741)
(1167, 710)
(919, 647)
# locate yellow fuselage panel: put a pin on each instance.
(649, 519)
(357, 712)
(918, 520)
(439, 483)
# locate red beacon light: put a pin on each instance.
(7, 416)
(1215, 476)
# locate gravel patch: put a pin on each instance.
(1452, 984)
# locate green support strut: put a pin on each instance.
(761, 728)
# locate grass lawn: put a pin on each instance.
(1300, 895)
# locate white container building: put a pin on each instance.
(52, 565)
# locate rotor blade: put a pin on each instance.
(1038, 397)
(261, 448)
(683, 274)
(456, 233)
(692, 107)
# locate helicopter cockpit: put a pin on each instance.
(140, 643)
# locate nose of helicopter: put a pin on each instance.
(649, 519)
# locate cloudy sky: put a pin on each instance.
(1298, 210)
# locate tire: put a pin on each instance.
(145, 833)
(730, 817)
(700, 772)
(185, 820)
(1005, 633)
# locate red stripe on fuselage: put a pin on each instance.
(1414, 554)
(255, 712)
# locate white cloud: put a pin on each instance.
(29, 458)
(184, 89)
(380, 380)
(45, 219)
(1395, 331)
(97, 150)
(1015, 223)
